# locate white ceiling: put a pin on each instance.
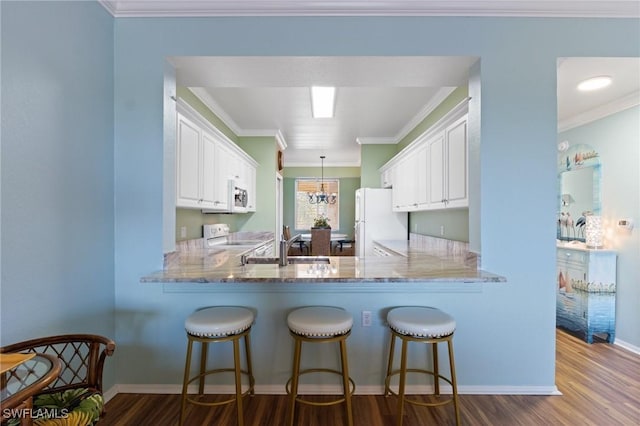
(379, 99)
(576, 107)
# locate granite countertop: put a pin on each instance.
(222, 265)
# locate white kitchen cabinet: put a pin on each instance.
(586, 292)
(208, 171)
(194, 166)
(251, 187)
(448, 165)
(205, 162)
(421, 191)
(435, 171)
(405, 186)
(222, 175)
(386, 177)
(432, 172)
(456, 165)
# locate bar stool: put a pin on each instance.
(424, 325)
(320, 324)
(213, 325)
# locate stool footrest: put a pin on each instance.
(388, 390)
(320, 370)
(218, 371)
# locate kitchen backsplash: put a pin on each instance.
(459, 250)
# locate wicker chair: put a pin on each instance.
(82, 357)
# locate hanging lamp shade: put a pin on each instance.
(321, 196)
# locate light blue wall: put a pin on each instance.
(59, 245)
(57, 170)
(518, 76)
(617, 139)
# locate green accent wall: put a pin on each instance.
(457, 96)
(349, 182)
(454, 221)
(372, 157)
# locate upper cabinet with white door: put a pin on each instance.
(206, 160)
(447, 167)
(432, 172)
(194, 166)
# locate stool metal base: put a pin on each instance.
(402, 372)
(237, 370)
(348, 385)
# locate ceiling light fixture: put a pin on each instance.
(319, 197)
(322, 101)
(594, 83)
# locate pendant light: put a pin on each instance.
(321, 196)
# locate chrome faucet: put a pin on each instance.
(284, 248)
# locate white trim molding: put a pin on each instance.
(330, 390)
(506, 8)
(628, 346)
(629, 101)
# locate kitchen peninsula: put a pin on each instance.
(408, 264)
(440, 274)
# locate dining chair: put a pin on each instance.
(321, 242)
(302, 245)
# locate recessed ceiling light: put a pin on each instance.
(594, 83)
(322, 100)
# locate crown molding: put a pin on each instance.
(216, 109)
(629, 101)
(376, 141)
(502, 8)
(436, 100)
(204, 96)
(313, 163)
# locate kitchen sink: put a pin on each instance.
(308, 259)
(291, 259)
(261, 260)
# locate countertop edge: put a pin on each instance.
(262, 280)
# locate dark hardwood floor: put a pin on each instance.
(600, 384)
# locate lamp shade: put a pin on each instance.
(593, 232)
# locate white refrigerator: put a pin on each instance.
(376, 221)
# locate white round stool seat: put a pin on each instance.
(421, 321)
(219, 321)
(320, 321)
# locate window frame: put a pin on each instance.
(334, 221)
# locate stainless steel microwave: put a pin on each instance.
(238, 197)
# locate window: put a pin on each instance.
(307, 212)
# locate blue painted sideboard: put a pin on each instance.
(586, 292)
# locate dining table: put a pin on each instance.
(334, 237)
(24, 377)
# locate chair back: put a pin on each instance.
(321, 242)
(82, 357)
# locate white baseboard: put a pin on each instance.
(333, 390)
(627, 346)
